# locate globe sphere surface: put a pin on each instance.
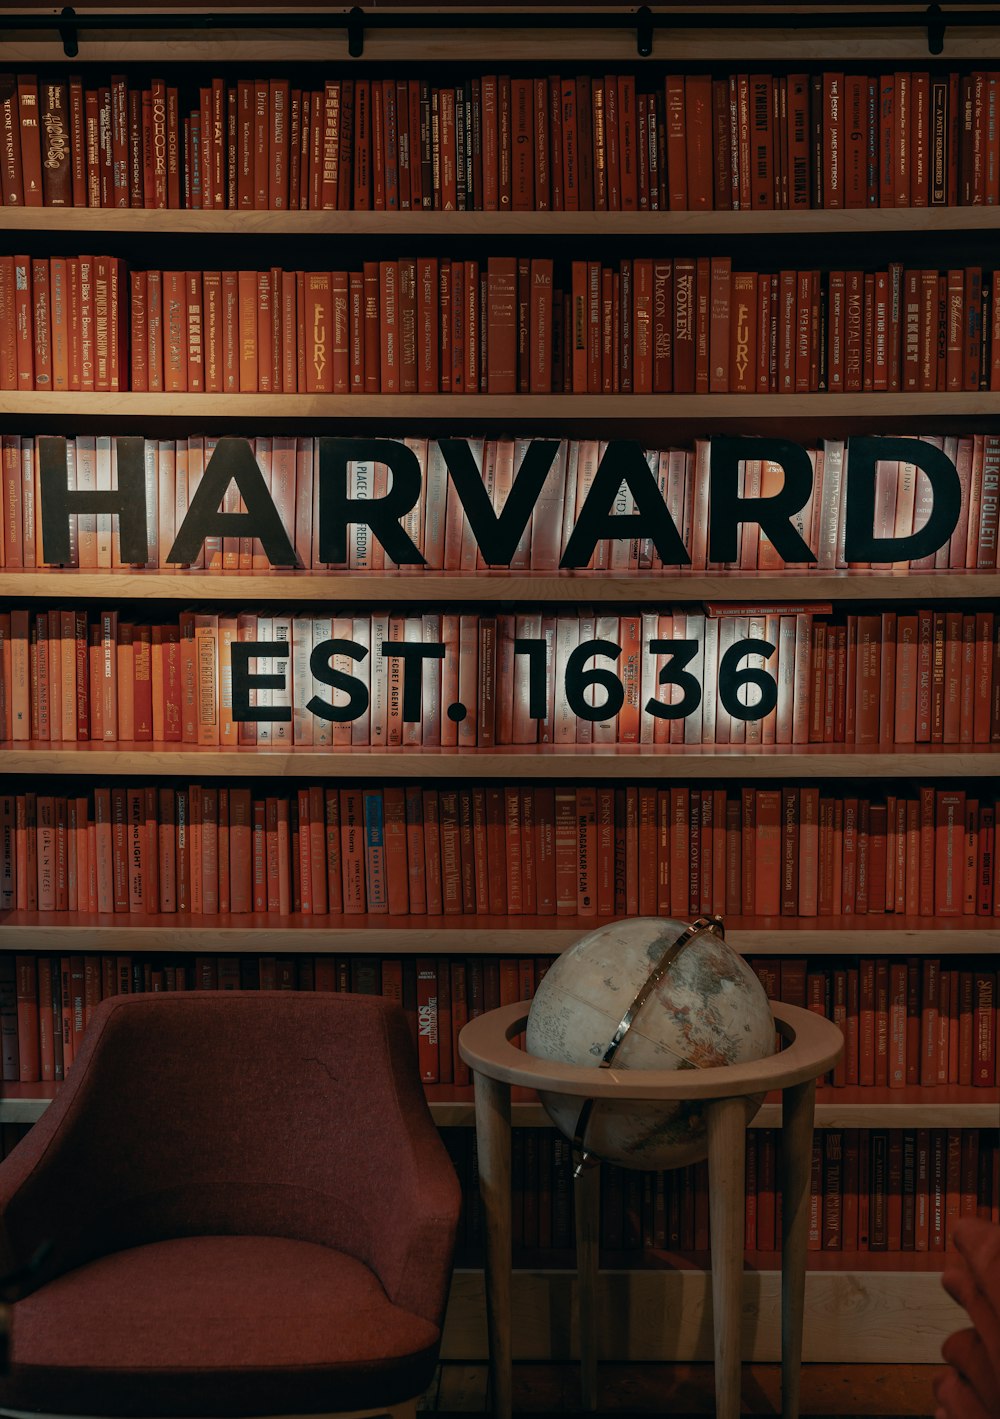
(708, 1010)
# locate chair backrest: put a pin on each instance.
(259, 1112)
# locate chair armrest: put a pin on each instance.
(413, 1203)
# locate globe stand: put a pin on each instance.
(812, 1045)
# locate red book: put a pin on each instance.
(948, 856)
(522, 138)
(853, 155)
(26, 986)
(676, 144)
(428, 1053)
(30, 134)
(318, 317)
(698, 141)
(761, 142)
(501, 329)
(10, 143)
(930, 1001)
(984, 1040)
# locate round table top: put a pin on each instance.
(814, 1045)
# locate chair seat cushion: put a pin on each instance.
(216, 1326)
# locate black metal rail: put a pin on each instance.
(67, 25)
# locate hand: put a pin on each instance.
(970, 1387)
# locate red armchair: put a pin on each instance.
(249, 1208)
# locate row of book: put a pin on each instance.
(871, 1190)
(440, 528)
(510, 325)
(504, 142)
(906, 1021)
(696, 326)
(504, 325)
(651, 677)
(501, 851)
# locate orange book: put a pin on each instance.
(501, 326)
(676, 143)
(31, 140)
(318, 332)
(174, 332)
(41, 320)
(630, 632)
(247, 331)
(352, 853)
(767, 867)
(302, 864)
(194, 332)
(949, 831)
(428, 1054)
(394, 828)
(125, 664)
(265, 333)
(8, 319)
(166, 850)
(24, 323)
(60, 321)
(140, 332)
(205, 650)
(153, 286)
(29, 1059)
(211, 330)
(720, 336)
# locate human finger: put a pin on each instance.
(956, 1399)
(965, 1352)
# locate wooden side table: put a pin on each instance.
(813, 1045)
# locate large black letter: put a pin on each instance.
(860, 545)
(497, 537)
(624, 462)
(243, 682)
(232, 462)
(728, 509)
(323, 671)
(59, 503)
(412, 654)
(337, 510)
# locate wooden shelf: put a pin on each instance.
(877, 1307)
(946, 1107)
(492, 225)
(635, 588)
(526, 761)
(950, 1107)
(178, 935)
(516, 410)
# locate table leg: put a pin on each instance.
(587, 1202)
(726, 1120)
(797, 1109)
(493, 1146)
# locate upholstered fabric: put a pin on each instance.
(255, 1170)
(218, 1325)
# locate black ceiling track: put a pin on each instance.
(68, 25)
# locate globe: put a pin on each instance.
(708, 1009)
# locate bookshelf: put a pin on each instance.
(454, 225)
(526, 761)
(859, 1305)
(418, 935)
(485, 587)
(671, 414)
